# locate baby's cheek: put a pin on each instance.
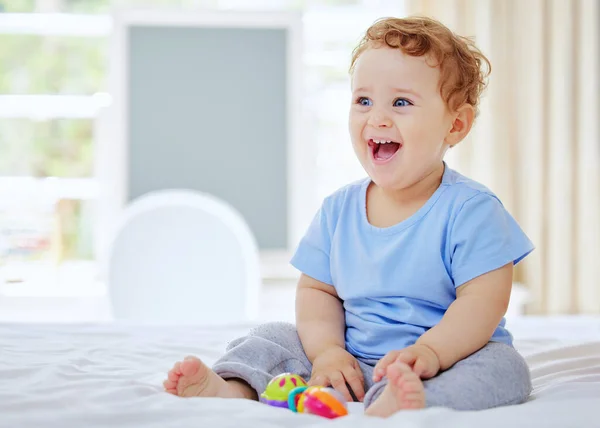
(356, 133)
(430, 143)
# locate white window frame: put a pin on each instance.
(45, 107)
(56, 24)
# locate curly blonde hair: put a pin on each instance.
(464, 69)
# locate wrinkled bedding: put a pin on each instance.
(111, 374)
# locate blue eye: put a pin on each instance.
(402, 102)
(364, 101)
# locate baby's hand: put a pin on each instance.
(335, 367)
(421, 358)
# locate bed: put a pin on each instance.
(111, 374)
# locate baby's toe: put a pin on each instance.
(190, 366)
(411, 383)
(398, 372)
(413, 396)
(170, 387)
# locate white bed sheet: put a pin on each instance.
(100, 375)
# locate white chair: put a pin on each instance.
(183, 257)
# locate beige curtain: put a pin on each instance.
(537, 142)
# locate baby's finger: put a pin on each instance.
(355, 379)
(424, 369)
(339, 384)
(420, 367)
(319, 380)
(381, 366)
(407, 357)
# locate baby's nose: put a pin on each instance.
(380, 120)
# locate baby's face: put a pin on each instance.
(395, 97)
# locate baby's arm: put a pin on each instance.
(319, 317)
(472, 318)
(321, 326)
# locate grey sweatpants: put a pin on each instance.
(494, 376)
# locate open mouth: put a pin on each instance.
(383, 150)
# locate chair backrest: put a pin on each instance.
(183, 257)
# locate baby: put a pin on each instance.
(406, 274)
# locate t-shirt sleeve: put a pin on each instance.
(312, 255)
(485, 237)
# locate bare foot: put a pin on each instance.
(404, 391)
(192, 378)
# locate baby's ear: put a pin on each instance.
(462, 122)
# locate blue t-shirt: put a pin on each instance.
(397, 282)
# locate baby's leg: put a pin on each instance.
(494, 376)
(267, 351)
(249, 363)
(497, 375)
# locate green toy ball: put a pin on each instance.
(277, 391)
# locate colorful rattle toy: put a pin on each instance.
(291, 391)
(318, 400)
